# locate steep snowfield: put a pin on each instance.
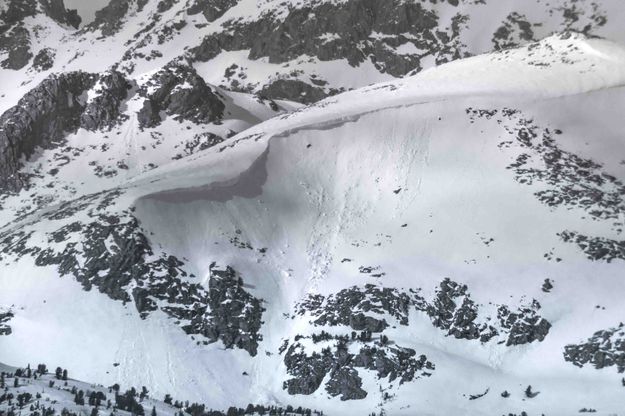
(399, 185)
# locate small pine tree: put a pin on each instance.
(153, 410)
(2, 380)
(64, 376)
(79, 398)
(505, 394)
(528, 392)
(16, 383)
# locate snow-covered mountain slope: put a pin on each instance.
(298, 50)
(39, 391)
(447, 243)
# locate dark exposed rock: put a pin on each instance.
(17, 10)
(164, 5)
(302, 32)
(179, 91)
(211, 9)
(293, 90)
(515, 31)
(309, 371)
(17, 43)
(525, 325)
(235, 316)
(111, 18)
(200, 141)
(567, 180)
(596, 248)
(356, 307)
(547, 286)
(5, 317)
(115, 257)
(393, 362)
(605, 348)
(479, 395)
(104, 109)
(368, 309)
(453, 311)
(572, 181)
(56, 10)
(355, 30)
(42, 116)
(44, 60)
(346, 383)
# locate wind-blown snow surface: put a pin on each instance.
(475, 171)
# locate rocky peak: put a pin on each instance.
(42, 116)
(178, 90)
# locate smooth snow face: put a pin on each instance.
(399, 185)
(452, 202)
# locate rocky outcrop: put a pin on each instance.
(115, 257)
(605, 348)
(293, 90)
(211, 9)
(15, 37)
(104, 110)
(342, 30)
(360, 316)
(199, 142)
(17, 10)
(308, 371)
(514, 31)
(44, 59)
(16, 42)
(523, 326)
(5, 317)
(109, 20)
(180, 92)
(56, 10)
(453, 311)
(565, 179)
(42, 116)
(378, 31)
(358, 308)
(235, 316)
(596, 248)
(63, 103)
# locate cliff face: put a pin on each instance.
(41, 117)
(15, 38)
